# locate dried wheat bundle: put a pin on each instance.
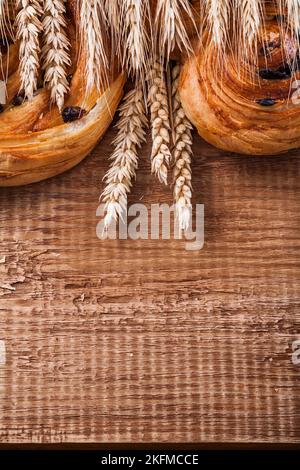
(92, 20)
(182, 156)
(29, 29)
(160, 122)
(55, 50)
(169, 26)
(131, 135)
(136, 36)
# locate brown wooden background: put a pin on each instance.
(123, 341)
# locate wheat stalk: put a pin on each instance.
(55, 51)
(92, 19)
(3, 24)
(6, 28)
(131, 135)
(170, 28)
(160, 122)
(182, 156)
(29, 27)
(135, 37)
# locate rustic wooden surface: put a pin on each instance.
(124, 341)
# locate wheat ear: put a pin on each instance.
(218, 15)
(55, 51)
(112, 10)
(92, 20)
(182, 157)
(28, 32)
(250, 20)
(137, 40)
(113, 15)
(293, 16)
(131, 134)
(160, 122)
(170, 28)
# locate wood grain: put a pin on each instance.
(142, 341)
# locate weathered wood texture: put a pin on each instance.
(130, 341)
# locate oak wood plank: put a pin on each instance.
(143, 341)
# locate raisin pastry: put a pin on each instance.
(247, 106)
(38, 141)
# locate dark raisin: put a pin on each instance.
(17, 100)
(266, 102)
(286, 68)
(72, 113)
(281, 73)
(279, 18)
(1, 108)
(69, 78)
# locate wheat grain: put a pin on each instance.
(131, 135)
(169, 26)
(135, 36)
(182, 156)
(55, 51)
(92, 20)
(29, 28)
(160, 122)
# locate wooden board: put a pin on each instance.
(142, 341)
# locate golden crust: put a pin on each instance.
(35, 156)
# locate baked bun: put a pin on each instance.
(38, 141)
(246, 106)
